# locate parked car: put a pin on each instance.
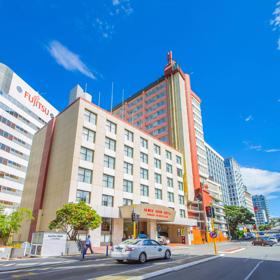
(263, 241)
(277, 236)
(274, 239)
(163, 240)
(140, 250)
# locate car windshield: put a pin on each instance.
(130, 242)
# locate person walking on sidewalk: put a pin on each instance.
(87, 246)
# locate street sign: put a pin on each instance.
(213, 234)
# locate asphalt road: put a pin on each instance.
(253, 263)
(238, 261)
(97, 269)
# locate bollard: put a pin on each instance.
(107, 250)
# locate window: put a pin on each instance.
(127, 201)
(182, 213)
(111, 127)
(90, 117)
(179, 172)
(128, 168)
(128, 151)
(144, 143)
(144, 190)
(109, 162)
(157, 178)
(128, 135)
(168, 155)
(179, 160)
(85, 175)
(157, 163)
(144, 157)
(170, 182)
(158, 193)
(180, 186)
(127, 186)
(168, 168)
(110, 144)
(107, 200)
(82, 196)
(86, 154)
(157, 149)
(181, 200)
(108, 181)
(88, 135)
(144, 173)
(170, 196)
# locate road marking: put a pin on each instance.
(23, 274)
(233, 251)
(119, 276)
(253, 270)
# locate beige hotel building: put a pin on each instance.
(86, 153)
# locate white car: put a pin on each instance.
(273, 239)
(140, 250)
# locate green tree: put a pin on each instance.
(237, 215)
(264, 227)
(11, 223)
(73, 217)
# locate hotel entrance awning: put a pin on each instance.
(148, 211)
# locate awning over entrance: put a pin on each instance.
(148, 211)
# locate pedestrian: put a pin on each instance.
(87, 246)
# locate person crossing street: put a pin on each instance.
(87, 246)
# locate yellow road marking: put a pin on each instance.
(23, 274)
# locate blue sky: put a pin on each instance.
(231, 49)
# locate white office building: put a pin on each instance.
(217, 171)
(22, 112)
(236, 187)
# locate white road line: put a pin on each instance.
(253, 270)
(232, 252)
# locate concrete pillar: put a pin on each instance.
(152, 229)
(117, 231)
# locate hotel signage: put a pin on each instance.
(149, 211)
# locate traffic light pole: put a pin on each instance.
(214, 239)
(134, 230)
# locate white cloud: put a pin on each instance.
(272, 150)
(259, 148)
(260, 181)
(104, 28)
(249, 118)
(121, 7)
(67, 59)
(275, 22)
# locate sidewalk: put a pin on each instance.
(17, 264)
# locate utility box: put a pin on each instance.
(46, 244)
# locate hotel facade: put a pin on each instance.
(169, 110)
(88, 154)
(22, 113)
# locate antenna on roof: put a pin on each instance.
(85, 88)
(99, 98)
(123, 103)
(112, 96)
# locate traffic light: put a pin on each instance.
(208, 210)
(133, 216)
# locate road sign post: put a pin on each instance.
(214, 236)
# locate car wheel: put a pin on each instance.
(120, 261)
(167, 254)
(142, 258)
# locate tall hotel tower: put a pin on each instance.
(22, 113)
(169, 110)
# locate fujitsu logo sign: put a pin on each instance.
(34, 100)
